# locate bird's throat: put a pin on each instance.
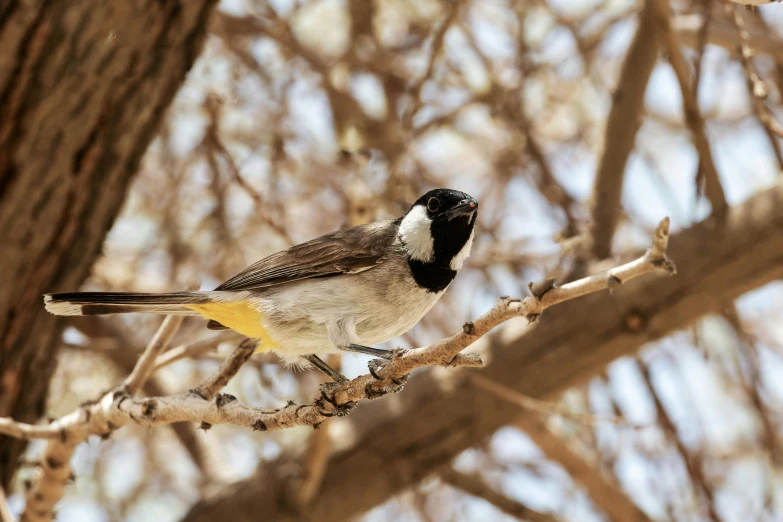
(433, 277)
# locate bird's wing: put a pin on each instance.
(346, 251)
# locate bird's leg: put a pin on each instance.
(368, 350)
(328, 370)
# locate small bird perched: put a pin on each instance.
(343, 291)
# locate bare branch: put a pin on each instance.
(723, 34)
(549, 408)
(145, 366)
(690, 108)
(606, 494)
(756, 85)
(218, 380)
(194, 349)
(620, 135)
(72, 429)
(475, 485)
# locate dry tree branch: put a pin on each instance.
(603, 491)
(548, 408)
(758, 88)
(64, 435)
(207, 406)
(194, 349)
(146, 364)
(5, 511)
(690, 108)
(620, 134)
(476, 485)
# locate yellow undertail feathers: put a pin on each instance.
(241, 317)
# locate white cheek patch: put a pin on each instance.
(462, 255)
(415, 233)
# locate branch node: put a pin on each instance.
(665, 264)
(204, 426)
(613, 282)
(259, 425)
(224, 398)
(197, 391)
(532, 318)
(539, 290)
(317, 425)
(149, 407)
(469, 328)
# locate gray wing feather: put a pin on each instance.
(346, 251)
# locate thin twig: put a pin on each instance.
(145, 366)
(476, 485)
(549, 408)
(218, 380)
(756, 85)
(64, 436)
(194, 349)
(708, 172)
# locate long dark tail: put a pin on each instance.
(99, 303)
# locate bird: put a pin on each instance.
(341, 292)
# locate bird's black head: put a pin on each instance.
(438, 232)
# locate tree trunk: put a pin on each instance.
(436, 416)
(83, 87)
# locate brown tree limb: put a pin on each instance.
(400, 443)
(619, 138)
(194, 349)
(708, 172)
(476, 485)
(723, 34)
(146, 363)
(756, 85)
(603, 492)
(692, 460)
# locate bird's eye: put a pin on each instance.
(433, 204)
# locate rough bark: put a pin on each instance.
(416, 433)
(83, 87)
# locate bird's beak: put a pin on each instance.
(466, 207)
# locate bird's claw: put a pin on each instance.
(328, 390)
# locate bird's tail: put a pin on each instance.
(100, 303)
